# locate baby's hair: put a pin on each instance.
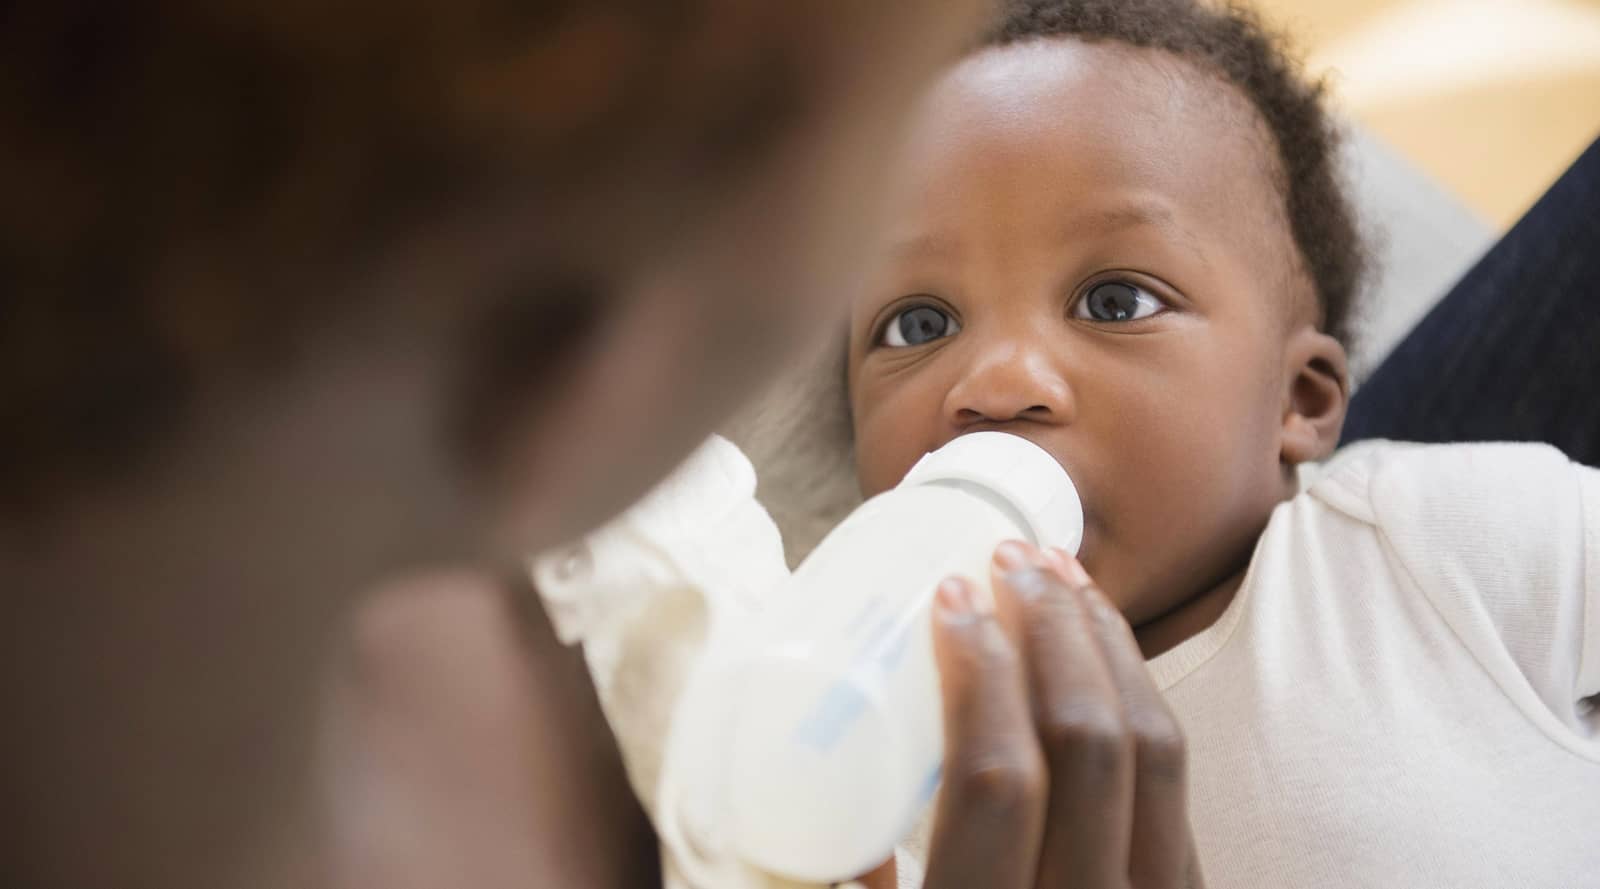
(1231, 41)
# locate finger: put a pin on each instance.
(1160, 853)
(987, 828)
(1079, 720)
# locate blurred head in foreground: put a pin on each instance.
(448, 272)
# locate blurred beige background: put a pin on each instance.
(1492, 98)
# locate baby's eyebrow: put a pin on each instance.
(1128, 216)
(1135, 215)
(1088, 223)
(925, 246)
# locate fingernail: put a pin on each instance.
(1058, 560)
(1072, 569)
(957, 604)
(1032, 582)
(1011, 556)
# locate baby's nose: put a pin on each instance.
(1010, 384)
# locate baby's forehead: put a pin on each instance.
(1074, 122)
(1102, 84)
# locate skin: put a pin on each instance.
(453, 723)
(164, 669)
(1034, 174)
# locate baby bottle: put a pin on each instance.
(827, 719)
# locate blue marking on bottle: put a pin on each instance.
(841, 705)
(930, 784)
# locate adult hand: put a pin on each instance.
(1063, 764)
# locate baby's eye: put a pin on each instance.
(919, 325)
(1116, 301)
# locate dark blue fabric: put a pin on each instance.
(1512, 353)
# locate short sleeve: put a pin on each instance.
(1589, 662)
(1505, 539)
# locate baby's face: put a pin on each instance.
(1086, 248)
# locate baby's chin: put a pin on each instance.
(1126, 578)
(1097, 555)
(884, 876)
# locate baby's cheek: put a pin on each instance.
(876, 459)
(891, 436)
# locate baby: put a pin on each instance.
(1118, 232)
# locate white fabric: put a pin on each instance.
(643, 595)
(1396, 696)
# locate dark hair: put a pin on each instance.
(1231, 41)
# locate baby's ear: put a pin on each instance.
(1318, 377)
